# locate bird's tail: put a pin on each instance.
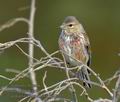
(84, 75)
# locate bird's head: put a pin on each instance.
(71, 25)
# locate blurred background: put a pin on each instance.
(100, 18)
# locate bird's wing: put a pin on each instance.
(88, 48)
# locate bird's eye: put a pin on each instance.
(70, 25)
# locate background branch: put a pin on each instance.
(31, 50)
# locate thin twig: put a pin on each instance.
(31, 50)
(117, 91)
(12, 22)
(71, 88)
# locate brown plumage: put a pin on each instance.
(75, 45)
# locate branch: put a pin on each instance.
(31, 50)
(12, 22)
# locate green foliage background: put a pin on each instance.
(100, 18)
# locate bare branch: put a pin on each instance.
(31, 50)
(71, 88)
(117, 90)
(12, 22)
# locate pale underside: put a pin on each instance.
(73, 49)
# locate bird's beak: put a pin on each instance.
(62, 26)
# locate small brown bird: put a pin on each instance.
(75, 45)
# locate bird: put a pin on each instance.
(75, 45)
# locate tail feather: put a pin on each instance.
(83, 74)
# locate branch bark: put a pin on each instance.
(31, 50)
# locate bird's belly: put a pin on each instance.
(72, 61)
(71, 57)
(73, 50)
